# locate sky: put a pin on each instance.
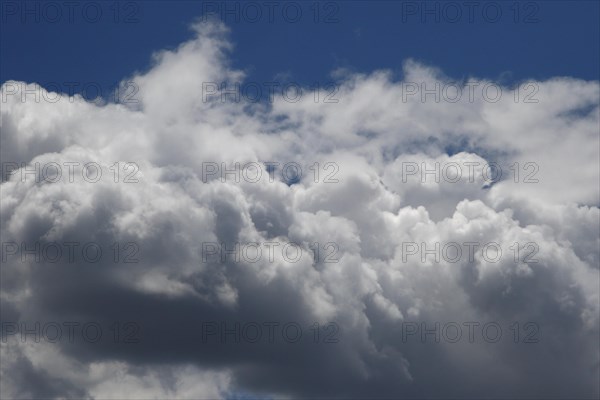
(374, 201)
(530, 40)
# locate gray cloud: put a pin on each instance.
(170, 294)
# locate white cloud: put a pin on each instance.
(369, 213)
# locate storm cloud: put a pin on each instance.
(372, 296)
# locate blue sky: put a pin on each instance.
(549, 38)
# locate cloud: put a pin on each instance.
(359, 199)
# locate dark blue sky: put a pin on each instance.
(546, 38)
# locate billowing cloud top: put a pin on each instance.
(371, 210)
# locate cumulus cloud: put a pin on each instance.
(368, 202)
